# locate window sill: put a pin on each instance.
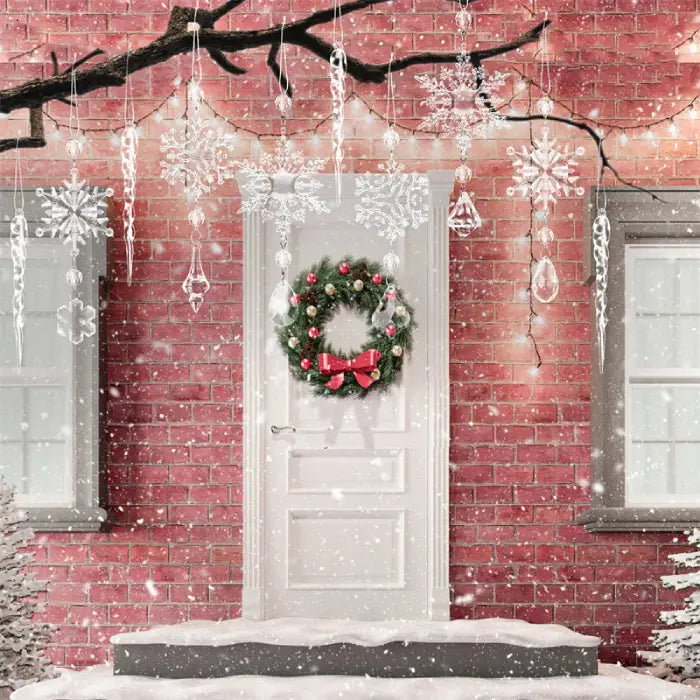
(65, 519)
(607, 519)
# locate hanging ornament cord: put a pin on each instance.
(128, 150)
(338, 67)
(196, 284)
(601, 255)
(18, 253)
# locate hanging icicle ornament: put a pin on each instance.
(75, 213)
(338, 67)
(18, 253)
(128, 149)
(463, 99)
(601, 255)
(393, 201)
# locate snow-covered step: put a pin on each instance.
(492, 648)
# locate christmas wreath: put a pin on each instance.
(319, 293)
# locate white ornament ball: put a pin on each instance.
(397, 351)
(329, 289)
(293, 342)
(376, 374)
(358, 285)
(311, 311)
(400, 311)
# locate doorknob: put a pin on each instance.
(277, 429)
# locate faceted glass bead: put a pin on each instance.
(196, 217)
(283, 258)
(391, 138)
(283, 102)
(391, 262)
(463, 217)
(74, 277)
(464, 19)
(283, 307)
(545, 235)
(545, 281)
(74, 147)
(545, 105)
(463, 174)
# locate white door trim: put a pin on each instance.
(437, 313)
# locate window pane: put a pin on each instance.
(663, 467)
(46, 413)
(11, 458)
(46, 467)
(11, 414)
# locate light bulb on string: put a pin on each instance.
(624, 139)
(673, 128)
(649, 135)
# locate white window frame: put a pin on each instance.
(81, 511)
(667, 223)
(652, 377)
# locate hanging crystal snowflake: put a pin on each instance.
(463, 99)
(199, 154)
(282, 186)
(601, 245)
(75, 212)
(18, 253)
(544, 171)
(392, 201)
(76, 321)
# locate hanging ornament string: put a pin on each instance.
(18, 252)
(128, 151)
(338, 68)
(601, 255)
(196, 284)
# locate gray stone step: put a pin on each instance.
(491, 648)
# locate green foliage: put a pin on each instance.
(327, 305)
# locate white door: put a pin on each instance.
(346, 499)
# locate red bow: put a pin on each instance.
(363, 363)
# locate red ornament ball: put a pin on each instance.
(311, 278)
(305, 364)
(376, 278)
(313, 332)
(344, 268)
(391, 330)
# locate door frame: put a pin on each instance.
(437, 315)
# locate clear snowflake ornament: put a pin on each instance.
(76, 321)
(198, 155)
(392, 201)
(463, 99)
(75, 212)
(282, 186)
(544, 171)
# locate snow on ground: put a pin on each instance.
(613, 683)
(312, 632)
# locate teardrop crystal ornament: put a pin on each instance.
(545, 282)
(463, 218)
(196, 284)
(390, 310)
(283, 308)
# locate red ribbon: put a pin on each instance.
(365, 362)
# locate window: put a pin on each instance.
(49, 408)
(645, 407)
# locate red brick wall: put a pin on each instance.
(519, 442)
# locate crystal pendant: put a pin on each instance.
(391, 262)
(545, 282)
(463, 218)
(390, 310)
(283, 258)
(283, 102)
(391, 138)
(283, 308)
(196, 285)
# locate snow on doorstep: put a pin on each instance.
(613, 682)
(307, 632)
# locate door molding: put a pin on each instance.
(437, 379)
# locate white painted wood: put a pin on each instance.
(348, 515)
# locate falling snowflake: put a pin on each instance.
(544, 172)
(282, 186)
(76, 321)
(393, 201)
(198, 155)
(463, 99)
(75, 212)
